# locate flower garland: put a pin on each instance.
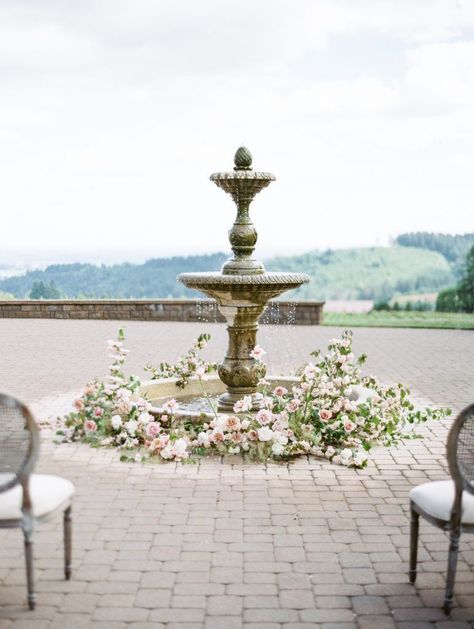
(320, 415)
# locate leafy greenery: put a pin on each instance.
(460, 298)
(189, 365)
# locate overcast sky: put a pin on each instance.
(113, 114)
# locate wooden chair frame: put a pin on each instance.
(27, 521)
(454, 525)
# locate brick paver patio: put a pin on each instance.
(222, 545)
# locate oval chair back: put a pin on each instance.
(460, 455)
(19, 443)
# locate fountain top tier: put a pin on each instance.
(241, 274)
(243, 183)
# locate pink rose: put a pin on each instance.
(90, 425)
(217, 436)
(280, 391)
(79, 404)
(293, 406)
(159, 443)
(325, 415)
(237, 437)
(257, 353)
(98, 412)
(232, 423)
(152, 430)
(170, 405)
(349, 426)
(264, 416)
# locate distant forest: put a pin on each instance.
(417, 263)
(154, 278)
(453, 248)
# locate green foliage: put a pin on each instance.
(401, 319)
(382, 305)
(5, 296)
(40, 290)
(448, 301)
(466, 285)
(189, 365)
(408, 306)
(460, 298)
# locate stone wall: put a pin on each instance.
(302, 313)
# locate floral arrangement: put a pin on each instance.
(191, 364)
(319, 415)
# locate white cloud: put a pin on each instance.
(113, 115)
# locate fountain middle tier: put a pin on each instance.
(241, 299)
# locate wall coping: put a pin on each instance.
(99, 302)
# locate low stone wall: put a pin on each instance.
(300, 313)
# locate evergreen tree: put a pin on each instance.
(40, 290)
(460, 298)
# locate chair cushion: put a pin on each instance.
(47, 494)
(436, 499)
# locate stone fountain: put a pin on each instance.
(242, 289)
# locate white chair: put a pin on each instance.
(27, 498)
(448, 504)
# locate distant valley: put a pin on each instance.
(415, 263)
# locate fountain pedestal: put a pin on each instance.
(243, 288)
(239, 371)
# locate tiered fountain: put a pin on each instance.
(243, 288)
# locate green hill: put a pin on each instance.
(154, 278)
(453, 247)
(365, 273)
(368, 273)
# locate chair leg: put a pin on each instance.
(414, 528)
(451, 576)
(28, 535)
(67, 543)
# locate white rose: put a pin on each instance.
(145, 418)
(180, 449)
(116, 422)
(131, 427)
(360, 458)
(279, 437)
(278, 449)
(203, 439)
(265, 434)
(329, 452)
(346, 456)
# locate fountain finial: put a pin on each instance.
(243, 159)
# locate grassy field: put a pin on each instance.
(382, 319)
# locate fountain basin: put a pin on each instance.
(243, 290)
(160, 391)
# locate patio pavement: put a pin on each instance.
(222, 545)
